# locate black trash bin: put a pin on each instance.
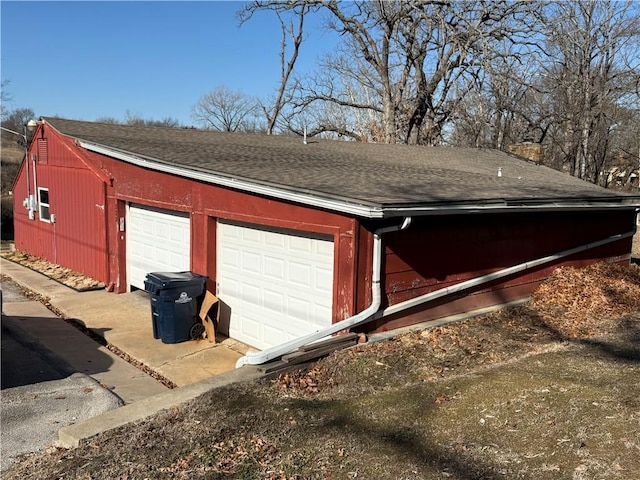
(174, 303)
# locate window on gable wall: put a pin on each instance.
(43, 204)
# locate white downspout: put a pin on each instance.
(371, 313)
(257, 358)
(26, 165)
(35, 182)
(414, 302)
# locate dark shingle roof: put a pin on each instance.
(370, 174)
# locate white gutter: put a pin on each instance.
(257, 358)
(506, 208)
(343, 206)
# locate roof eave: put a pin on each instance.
(356, 207)
(457, 209)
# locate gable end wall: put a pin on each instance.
(77, 240)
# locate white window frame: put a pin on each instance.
(44, 204)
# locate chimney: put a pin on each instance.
(529, 150)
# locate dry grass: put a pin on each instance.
(548, 390)
(605, 291)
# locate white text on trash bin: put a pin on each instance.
(184, 298)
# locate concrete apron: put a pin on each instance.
(82, 353)
(124, 321)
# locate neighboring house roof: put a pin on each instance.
(374, 180)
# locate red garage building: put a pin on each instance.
(298, 236)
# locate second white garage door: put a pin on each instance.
(278, 283)
(157, 241)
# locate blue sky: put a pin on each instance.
(85, 60)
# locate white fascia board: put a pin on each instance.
(342, 206)
(392, 212)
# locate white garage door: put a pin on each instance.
(157, 241)
(277, 283)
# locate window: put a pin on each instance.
(43, 204)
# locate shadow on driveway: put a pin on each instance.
(26, 361)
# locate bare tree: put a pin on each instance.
(413, 61)
(137, 119)
(111, 120)
(225, 110)
(508, 107)
(292, 29)
(16, 120)
(131, 118)
(485, 73)
(5, 98)
(593, 65)
(577, 95)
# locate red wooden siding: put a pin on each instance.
(206, 203)
(364, 267)
(76, 198)
(436, 252)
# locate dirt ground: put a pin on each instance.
(546, 390)
(64, 275)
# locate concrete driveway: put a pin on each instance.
(124, 322)
(41, 393)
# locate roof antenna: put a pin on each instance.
(305, 135)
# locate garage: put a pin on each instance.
(252, 199)
(157, 241)
(277, 283)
